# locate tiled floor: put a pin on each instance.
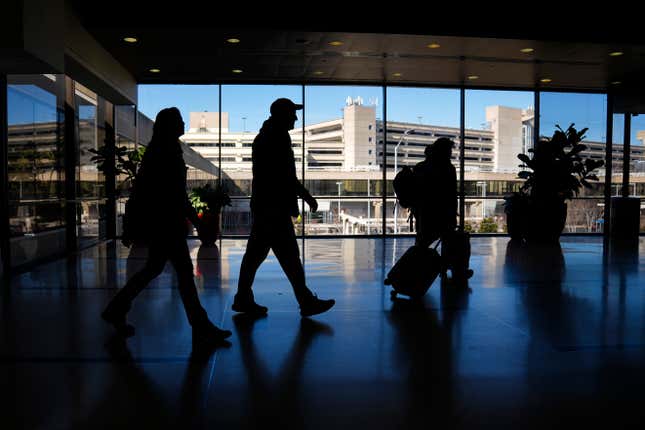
(541, 339)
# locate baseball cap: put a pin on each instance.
(443, 142)
(283, 105)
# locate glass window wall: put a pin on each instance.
(343, 162)
(91, 112)
(244, 110)
(637, 164)
(588, 110)
(416, 118)
(35, 165)
(126, 152)
(499, 126)
(347, 179)
(198, 105)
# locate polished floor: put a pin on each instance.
(540, 338)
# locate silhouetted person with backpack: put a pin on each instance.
(160, 208)
(435, 211)
(274, 201)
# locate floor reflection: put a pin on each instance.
(207, 267)
(424, 335)
(276, 402)
(534, 262)
(539, 337)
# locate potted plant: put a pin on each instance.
(208, 202)
(555, 173)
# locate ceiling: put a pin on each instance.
(190, 46)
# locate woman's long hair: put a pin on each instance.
(164, 132)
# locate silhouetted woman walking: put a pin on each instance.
(160, 191)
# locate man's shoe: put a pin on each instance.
(248, 306)
(208, 333)
(314, 306)
(118, 321)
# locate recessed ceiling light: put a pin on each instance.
(473, 77)
(130, 39)
(155, 70)
(336, 43)
(433, 45)
(233, 40)
(615, 54)
(236, 70)
(545, 80)
(616, 83)
(397, 74)
(318, 72)
(527, 50)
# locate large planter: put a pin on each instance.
(210, 228)
(517, 214)
(535, 221)
(546, 220)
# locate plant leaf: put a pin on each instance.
(577, 149)
(525, 158)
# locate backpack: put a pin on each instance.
(406, 187)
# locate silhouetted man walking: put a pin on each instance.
(274, 201)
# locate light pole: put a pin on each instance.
(243, 124)
(396, 167)
(339, 184)
(369, 215)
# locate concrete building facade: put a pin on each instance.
(355, 142)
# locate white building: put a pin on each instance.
(355, 141)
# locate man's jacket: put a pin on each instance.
(275, 188)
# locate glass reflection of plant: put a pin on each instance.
(126, 163)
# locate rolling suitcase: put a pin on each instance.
(415, 272)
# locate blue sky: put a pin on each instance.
(429, 105)
(248, 105)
